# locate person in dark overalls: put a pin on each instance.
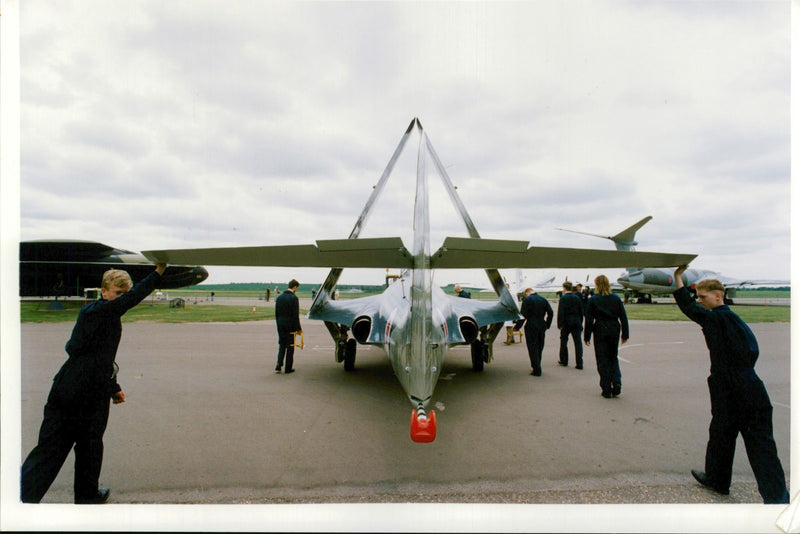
(538, 316)
(76, 412)
(607, 320)
(570, 319)
(739, 400)
(287, 319)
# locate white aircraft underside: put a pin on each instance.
(414, 321)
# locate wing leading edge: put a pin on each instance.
(455, 253)
(467, 253)
(380, 252)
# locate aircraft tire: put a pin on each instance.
(350, 355)
(477, 355)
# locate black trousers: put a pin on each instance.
(606, 351)
(740, 403)
(534, 339)
(80, 424)
(285, 348)
(563, 353)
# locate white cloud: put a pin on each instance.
(156, 125)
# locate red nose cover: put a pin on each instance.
(423, 429)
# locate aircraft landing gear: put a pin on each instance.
(345, 347)
(340, 349)
(350, 355)
(479, 355)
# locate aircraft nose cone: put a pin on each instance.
(182, 276)
(200, 274)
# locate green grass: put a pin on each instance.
(38, 312)
(670, 312)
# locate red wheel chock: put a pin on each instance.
(423, 427)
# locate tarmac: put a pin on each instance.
(208, 421)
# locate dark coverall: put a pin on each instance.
(570, 319)
(538, 316)
(739, 401)
(76, 412)
(606, 319)
(287, 319)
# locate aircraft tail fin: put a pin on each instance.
(625, 240)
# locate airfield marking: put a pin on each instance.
(628, 346)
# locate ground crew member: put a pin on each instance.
(607, 320)
(570, 321)
(739, 400)
(538, 316)
(77, 407)
(287, 319)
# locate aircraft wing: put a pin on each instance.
(734, 282)
(485, 312)
(346, 311)
(474, 253)
(65, 267)
(374, 252)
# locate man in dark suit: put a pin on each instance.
(76, 412)
(538, 316)
(287, 318)
(570, 322)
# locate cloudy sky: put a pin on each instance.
(149, 124)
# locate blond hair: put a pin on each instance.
(116, 277)
(710, 285)
(602, 285)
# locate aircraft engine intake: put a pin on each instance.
(362, 326)
(469, 328)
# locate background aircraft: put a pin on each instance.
(641, 284)
(63, 268)
(413, 320)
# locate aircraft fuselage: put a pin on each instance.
(657, 281)
(65, 268)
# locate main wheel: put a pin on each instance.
(350, 355)
(477, 355)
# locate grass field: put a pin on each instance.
(38, 312)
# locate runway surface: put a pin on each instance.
(208, 421)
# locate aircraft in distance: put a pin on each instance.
(640, 284)
(413, 320)
(65, 268)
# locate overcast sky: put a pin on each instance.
(150, 124)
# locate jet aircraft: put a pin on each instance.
(65, 268)
(413, 320)
(642, 283)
